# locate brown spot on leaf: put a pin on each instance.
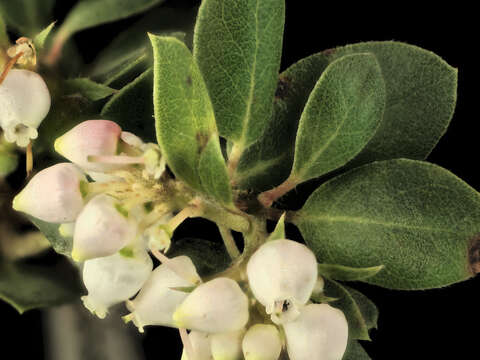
(329, 52)
(474, 255)
(189, 80)
(202, 140)
(282, 88)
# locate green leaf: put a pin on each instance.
(367, 307)
(237, 45)
(355, 351)
(127, 71)
(133, 42)
(4, 40)
(28, 17)
(347, 273)
(279, 231)
(88, 88)
(358, 324)
(322, 298)
(8, 163)
(212, 171)
(132, 107)
(62, 245)
(417, 219)
(184, 119)
(28, 287)
(268, 162)
(421, 96)
(40, 39)
(209, 257)
(89, 13)
(340, 117)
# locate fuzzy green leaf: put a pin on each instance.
(28, 17)
(89, 13)
(358, 324)
(279, 231)
(62, 245)
(130, 44)
(185, 123)
(268, 162)
(417, 219)
(28, 287)
(88, 88)
(209, 257)
(40, 39)
(212, 171)
(237, 45)
(355, 351)
(347, 273)
(340, 117)
(132, 107)
(127, 71)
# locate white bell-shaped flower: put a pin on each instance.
(282, 275)
(200, 345)
(24, 102)
(319, 333)
(102, 229)
(90, 138)
(54, 194)
(218, 305)
(158, 299)
(113, 279)
(262, 342)
(227, 345)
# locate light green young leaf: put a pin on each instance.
(28, 17)
(417, 219)
(279, 231)
(268, 162)
(237, 45)
(88, 88)
(40, 39)
(212, 171)
(209, 257)
(62, 245)
(89, 13)
(355, 351)
(132, 107)
(340, 117)
(347, 273)
(184, 119)
(134, 42)
(358, 324)
(28, 287)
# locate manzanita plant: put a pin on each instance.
(229, 138)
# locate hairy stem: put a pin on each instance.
(229, 242)
(268, 197)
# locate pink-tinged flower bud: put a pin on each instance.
(90, 138)
(200, 345)
(282, 275)
(227, 345)
(102, 228)
(216, 306)
(262, 342)
(113, 279)
(24, 103)
(54, 194)
(158, 298)
(319, 333)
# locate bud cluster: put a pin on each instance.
(106, 200)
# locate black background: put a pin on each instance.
(412, 325)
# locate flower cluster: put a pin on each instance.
(107, 200)
(24, 103)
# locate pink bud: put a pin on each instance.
(90, 138)
(54, 194)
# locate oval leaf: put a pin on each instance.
(88, 88)
(347, 273)
(184, 120)
(340, 117)
(237, 45)
(417, 219)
